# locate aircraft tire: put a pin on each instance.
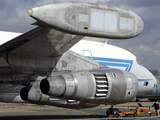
(113, 111)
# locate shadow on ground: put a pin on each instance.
(49, 117)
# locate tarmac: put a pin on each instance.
(34, 112)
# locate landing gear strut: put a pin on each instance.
(112, 112)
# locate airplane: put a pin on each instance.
(54, 64)
(155, 94)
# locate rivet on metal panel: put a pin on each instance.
(74, 58)
(72, 67)
(86, 63)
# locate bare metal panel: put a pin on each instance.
(83, 18)
(75, 62)
(10, 93)
(49, 43)
(83, 86)
(97, 20)
(104, 20)
(37, 50)
(88, 19)
(126, 23)
(20, 40)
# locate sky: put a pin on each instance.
(146, 46)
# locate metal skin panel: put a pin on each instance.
(41, 53)
(65, 17)
(111, 21)
(117, 86)
(97, 20)
(57, 86)
(70, 86)
(41, 41)
(69, 61)
(91, 85)
(75, 86)
(75, 62)
(32, 94)
(10, 93)
(83, 18)
(11, 98)
(16, 42)
(104, 21)
(126, 23)
(81, 86)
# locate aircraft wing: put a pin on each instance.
(41, 41)
(37, 50)
(20, 40)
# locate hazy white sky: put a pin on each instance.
(146, 46)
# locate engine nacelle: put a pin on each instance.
(105, 86)
(10, 93)
(33, 95)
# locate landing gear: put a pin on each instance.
(112, 112)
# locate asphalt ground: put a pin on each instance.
(25, 111)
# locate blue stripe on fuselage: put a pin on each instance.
(143, 80)
(115, 62)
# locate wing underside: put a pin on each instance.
(38, 49)
(40, 42)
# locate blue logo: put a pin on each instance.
(127, 64)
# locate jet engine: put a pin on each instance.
(33, 95)
(101, 86)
